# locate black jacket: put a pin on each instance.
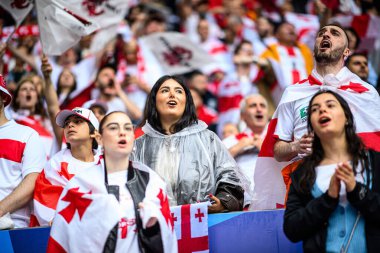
(149, 239)
(306, 218)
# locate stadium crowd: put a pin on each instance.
(216, 130)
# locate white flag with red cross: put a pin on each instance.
(270, 189)
(86, 214)
(191, 227)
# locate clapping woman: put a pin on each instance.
(334, 202)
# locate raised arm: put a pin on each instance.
(51, 98)
(132, 109)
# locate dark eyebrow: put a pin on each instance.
(335, 30)
(114, 123)
(322, 30)
(327, 101)
(162, 87)
(111, 123)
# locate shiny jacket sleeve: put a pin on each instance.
(229, 181)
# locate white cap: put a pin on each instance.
(84, 113)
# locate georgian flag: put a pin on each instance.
(191, 227)
(175, 52)
(86, 214)
(61, 26)
(364, 101)
(60, 169)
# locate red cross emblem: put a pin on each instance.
(199, 215)
(77, 203)
(188, 244)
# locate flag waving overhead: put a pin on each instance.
(191, 227)
(176, 53)
(364, 101)
(17, 8)
(61, 27)
(64, 22)
(86, 214)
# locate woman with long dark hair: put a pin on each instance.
(178, 146)
(334, 202)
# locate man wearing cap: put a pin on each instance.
(22, 158)
(80, 127)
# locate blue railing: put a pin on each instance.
(230, 232)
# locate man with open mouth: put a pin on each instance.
(288, 139)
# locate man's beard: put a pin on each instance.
(326, 58)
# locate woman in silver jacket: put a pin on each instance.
(180, 148)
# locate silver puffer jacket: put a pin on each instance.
(194, 162)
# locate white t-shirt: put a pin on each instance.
(292, 119)
(21, 153)
(127, 226)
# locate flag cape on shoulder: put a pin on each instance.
(364, 101)
(191, 227)
(86, 213)
(57, 173)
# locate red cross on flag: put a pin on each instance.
(191, 227)
(86, 214)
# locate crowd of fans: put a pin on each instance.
(259, 48)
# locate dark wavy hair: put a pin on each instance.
(355, 145)
(151, 115)
(38, 107)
